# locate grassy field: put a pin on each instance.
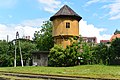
(92, 71)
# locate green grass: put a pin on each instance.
(93, 71)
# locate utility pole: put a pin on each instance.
(7, 38)
(17, 37)
(20, 54)
(15, 55)
(15, 50)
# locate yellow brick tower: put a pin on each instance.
(65, 25)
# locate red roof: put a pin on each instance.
(104, 41)
(114, 37)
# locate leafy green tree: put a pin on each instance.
(5, 58)
(101, 54)
(65, 57)
(117, 32)
(43, 38)
(86, 52)
(7, 51)
(72, 54)
(27, 48)
(89, 53)
(57, 56)
(115, 49)
(116, 46)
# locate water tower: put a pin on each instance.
(65, 25)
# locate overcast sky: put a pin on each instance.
(100, 18)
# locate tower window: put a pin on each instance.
(67, 25)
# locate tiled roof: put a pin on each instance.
(104, 41)
(114, 37)
(66, 11)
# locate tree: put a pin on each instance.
(72, 54)
(101, 54)
(57, 56)
(7, 51)
(86, 52)
(115, 49)
(43, 38)
(5, 56)
(27, 48)
(117, 32)
(65, 57)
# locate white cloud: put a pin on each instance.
(26, 28)
(7, 3)
(11, 31)
(50, 5)
(114, 9)
(34, 22)
(115, 17)
(4, 31)
(112, 5)
(91, 2)
(89, 30)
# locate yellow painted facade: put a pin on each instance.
(62, 34)
(60, 29)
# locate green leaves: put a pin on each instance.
(115, 51)
(43, 38)
(64, 57)
(5, 56)
(56, 56)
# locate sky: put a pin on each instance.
(100, 18)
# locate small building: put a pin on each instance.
(40, 58)
(90, 39)
(104, 41)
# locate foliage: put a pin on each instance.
(116, 46)
(64, 57)
(27, 48)
(71, 58)
(117, 32)
(115, 49)
(101, 54)
(43, 38)
(5, 57)
(56, 56)
(86, 52)
(7, 51)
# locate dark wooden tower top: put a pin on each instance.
(66, 11)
